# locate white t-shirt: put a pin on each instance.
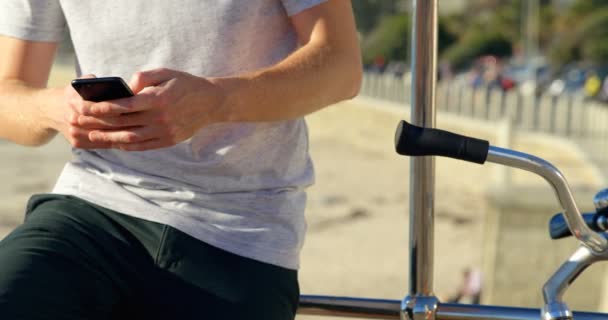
(236, 186)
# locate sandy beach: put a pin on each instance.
(358, 209)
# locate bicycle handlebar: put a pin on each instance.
(411, 140)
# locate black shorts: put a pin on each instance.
(75, 260)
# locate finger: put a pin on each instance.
(143, 146)
(116, 107)
(121, 121)
(78, 105)
(150, 78)
(125, 136)
(79, 138)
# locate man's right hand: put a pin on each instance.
(30, 113)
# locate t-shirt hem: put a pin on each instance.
(30, 34)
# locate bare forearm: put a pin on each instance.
(312, 78)
(24, 113)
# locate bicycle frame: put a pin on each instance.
(421, 304)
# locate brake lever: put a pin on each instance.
(558, 227)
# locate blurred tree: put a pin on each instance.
(593, 37)
(476, 44)
(584, 7)
(368, 13)
(391, 39)
(583, 34)
(493, 27)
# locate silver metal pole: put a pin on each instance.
(422, 172)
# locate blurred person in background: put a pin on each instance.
(187, 200)
(470, 288)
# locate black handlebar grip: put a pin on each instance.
(558, 228)
(412, 140)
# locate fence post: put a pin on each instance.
(529, 111)
(496, 105)
(441, 93)
(448, 93)
(543, 114)
(479, 97)
(562, 118)
(553, 123)
(520, 110)
(460, 100)
(487, 102)
(579, 105)
(536, 105)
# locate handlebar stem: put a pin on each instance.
(554, 289)
(556, 179)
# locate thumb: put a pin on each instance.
(87, 76)
(150, 78)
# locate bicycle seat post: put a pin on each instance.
(421, 302)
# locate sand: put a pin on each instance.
(358, 209)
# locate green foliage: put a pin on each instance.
(477, 44)
(368, 13)
(587, 41)
(594, 37)
(584, 7)
(488, 27)
(389, 39)
(445, 37)
(596, 51)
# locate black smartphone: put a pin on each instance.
(102, 89)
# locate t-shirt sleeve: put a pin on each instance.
(294, 7)
(35, 20)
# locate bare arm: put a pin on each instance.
(25, 102)
(30, 113)
(325, 70)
